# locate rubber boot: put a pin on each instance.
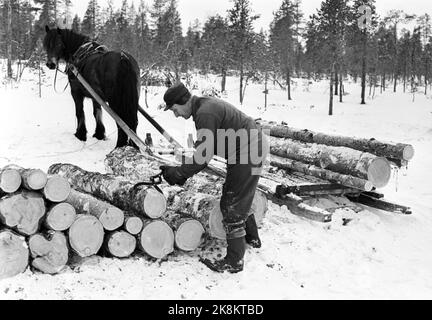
(233, 262)
(252, 237)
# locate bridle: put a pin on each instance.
(61, 47)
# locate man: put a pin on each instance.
(217, 117)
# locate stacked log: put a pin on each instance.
(144, 201)
(14, 254)
(120, 244)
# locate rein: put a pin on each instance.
(55, 80)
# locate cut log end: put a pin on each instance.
(50, 253)
(216, 226)
(121, 244)
(60, 217)
(112, 218)
(133, 225)
(86, 235)
(36, 179)
(157, 239)
(408, 152)
(379, 172)
(189, 235)
(57, 189)
(14, 254)
(154, 204)
(10, 180)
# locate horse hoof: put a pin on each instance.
(99, 136)
(81, 137)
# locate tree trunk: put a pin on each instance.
(343, 160)
(345, 180)
(86, 235)
(10, 180)
(50, 252)
(223, 84)
(156, 239)
(331, 91)
(110, 216)
(14, 254)
(133, 224)
(120, 244)
(9, 39)
(57, 189)
(60, 217)
(241, 83)
(341, 89)
(336, 75)
(364, 69)
(288, 75)
(121, 193)
(23, 212)
(376, 147)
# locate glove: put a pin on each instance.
(173, 176)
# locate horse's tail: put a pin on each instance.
(126, 93)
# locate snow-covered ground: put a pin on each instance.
(378, 255)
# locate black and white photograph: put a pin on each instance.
(215, 151)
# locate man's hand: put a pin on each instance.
(172, 175)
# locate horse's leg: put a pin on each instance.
(100, 128)
(122, 138)
(81, 132)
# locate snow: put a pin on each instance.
(377, 255)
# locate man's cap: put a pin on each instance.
(174, 94)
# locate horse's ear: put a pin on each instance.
(58, 30)
(47, 29)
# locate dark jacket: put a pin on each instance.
(213, 114)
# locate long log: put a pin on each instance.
(120, 244)
(379, 148)
(156, 239)
(86, 235)
(343, 160)
(49, 251)
(10, 180)
(312, 170)
(57, 189)
(23, 211)
(110, 216)
(14, 254)
(60, 217)
(188, 232)
(121, 193)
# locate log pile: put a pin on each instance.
(362, 164)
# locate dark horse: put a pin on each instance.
(114, 76)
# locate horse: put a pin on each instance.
(113, 75)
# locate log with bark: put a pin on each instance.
(57, 189)
(188, 232)
(60, 216)
(110, 216)
(86, 235)
(10, 180)
(121, 193)
(33, 179)
(120, 244)
(133, 224)
(49, 251)
(379, 148)
(156, 239)
(312, 170)
(14, 254)
(23, 211)
(343, 160)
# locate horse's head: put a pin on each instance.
(54, 47)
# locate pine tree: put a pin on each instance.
(90, 25)
(240, 24)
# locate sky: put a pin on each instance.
(201, 9)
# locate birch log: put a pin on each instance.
(14, 254)
(10, 180)
(120, 244)
(121, 193)
(23, 212)
(133, 224)
(57, 189)
(49, 251)
(33, 179)
(343, 160)
(60, 217)
(86, 235)
(156, 239)
(110, 216)
(379, 148)
(312, 170)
